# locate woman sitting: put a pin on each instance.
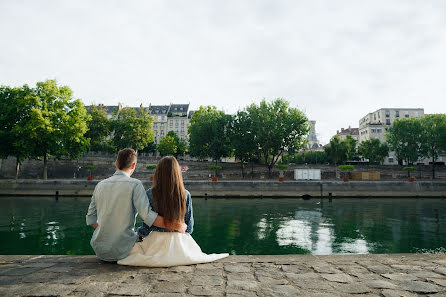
(165, 247)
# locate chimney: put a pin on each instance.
(337, 131)
(119, 106)
(342, 129)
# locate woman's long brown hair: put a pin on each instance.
(168, 192)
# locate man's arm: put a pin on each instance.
(91, 217)
(142, 205)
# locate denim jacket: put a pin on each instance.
(144, 230)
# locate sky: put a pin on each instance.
(334, 60)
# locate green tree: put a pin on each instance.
(243, 139)
(407, 139)
(350, 144)
(181, 145)
(167, 146)
(337, 151)
(277, 128)
(132, 129)
(434, 131)
(374, 150)
(209, 134)
(15, 109)
(99, 131)
(57, 123)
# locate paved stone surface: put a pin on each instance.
(289, 275)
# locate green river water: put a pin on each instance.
(36, 225)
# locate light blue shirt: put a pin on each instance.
(114, 205)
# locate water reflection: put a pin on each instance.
(246, 226)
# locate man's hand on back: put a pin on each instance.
(94, 225)
(183, 228)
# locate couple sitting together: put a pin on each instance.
(164, 238)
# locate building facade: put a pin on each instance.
(377, 123)
(353, 132)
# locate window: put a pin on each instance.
(162, 133)
(176, 122)
(163, 118)
(390, 159)
(397, 113)
(374, 116)
(379, 130)
(416, 114)
(182, 129)
(181, 138)
(155, 125)
(373, 130)
(176, 130)
(162, 125)
(406, 114)
(387, 121)
(379, 115)
(387, 113)
(182, 122)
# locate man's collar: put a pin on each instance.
(120, 172)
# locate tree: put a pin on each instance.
(406, 138)
(181, 145)
(336, 151)
(209, 134)
(132, 129)
(167, 146)
(57, 123)
(434, 131)
(350, 144)
(99, 131)
(277, 128)
(15, 108)
(243, 139)
(374, 150)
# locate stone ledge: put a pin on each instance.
(251, 275)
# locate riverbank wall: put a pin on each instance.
(248, 189)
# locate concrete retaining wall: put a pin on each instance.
(245, 188)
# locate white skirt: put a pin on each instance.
(165, 249)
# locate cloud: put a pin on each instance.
(335, 60)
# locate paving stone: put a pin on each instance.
(325, 269)
(268, 273)
(242, 294)
(242, 285)
(379, 269)
(10, 280)
(319, 294)
(129, 290)
(240, 276)
(380, 284)
(237, 268)
(164, 295)
(428, 274)
(22, 290)
(203, 280)
(295, 268)
(338, 278)
(21, 271)
(353, 288)
(40, 277)
(52, 290)
(93, 289)
(281, 290)
(168, 287)
(441, 282)
(271, 281)
(397, 293)
(366, 276)
(302, 276)
(441, 270)
(184, 269)
(205, 291)
(408, 268)
(353, 269)
(400, 276)
(420, 287)
(314, 284)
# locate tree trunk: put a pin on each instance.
(433, 167)
(243, 170)
(45, 167)
(269, 171)
(17, 168)
(252, 169)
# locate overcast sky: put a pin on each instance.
(335, 60)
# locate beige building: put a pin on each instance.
(376, 124)
(173, 117)
(353, 132)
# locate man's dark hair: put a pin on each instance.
(125, 159)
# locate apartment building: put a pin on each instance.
(376, 124)
(159, 114)
(353, 132)
(178, 120)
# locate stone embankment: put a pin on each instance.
(289, 275)
(254, 189)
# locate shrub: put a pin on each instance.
(282, 166)
(151, 167)
(346, 167)
(90, 167)
(215, 167)
(410, 168)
